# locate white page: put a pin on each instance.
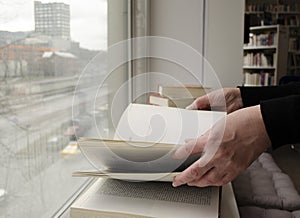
(161, 177)
(99, 203)
(132, 157)
(152, 123)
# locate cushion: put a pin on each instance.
(257, 212)
(264, 185)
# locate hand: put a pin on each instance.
(227, 99)
(226, 153)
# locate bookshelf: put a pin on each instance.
(265, 56)
(272, 12)
(294, 62)
(283, 12)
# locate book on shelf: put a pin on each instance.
(159, 100)
(185, 91)
(258, 79)
(263, 39)
(260, 59)
(145, 139)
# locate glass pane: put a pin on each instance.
(45, 48)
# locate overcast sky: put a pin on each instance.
(88, 19)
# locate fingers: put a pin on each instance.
(194, 172)
(212, 178)
(192, 106)
(200, 103)
(212, 137)
(205, 176)
(192, 146)
(213, 144)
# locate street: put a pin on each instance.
(35, 175)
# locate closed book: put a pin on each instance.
(157, 99)
(188, 91)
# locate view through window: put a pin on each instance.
(45, 46)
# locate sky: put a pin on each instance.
(88, 19)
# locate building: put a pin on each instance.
(52, 19)
(57, 64)
(21, 60)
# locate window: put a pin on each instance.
(38, 78)
(55, 89)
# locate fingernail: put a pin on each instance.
(175, 183)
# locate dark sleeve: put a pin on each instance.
(253, 95)
(282, 119)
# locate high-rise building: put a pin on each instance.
(52, 19)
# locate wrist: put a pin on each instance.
(238, 96)
(258, 122)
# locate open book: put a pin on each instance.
(142, 149)
(121, 199)
(132, 160)
(145, 139)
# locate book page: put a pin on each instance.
(132, 157)
(114, 198)
(136, 177)
(157, 191)
(148, 137)
(164, 124)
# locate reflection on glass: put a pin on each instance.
(44, 49)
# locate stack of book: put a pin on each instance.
(177, 96)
